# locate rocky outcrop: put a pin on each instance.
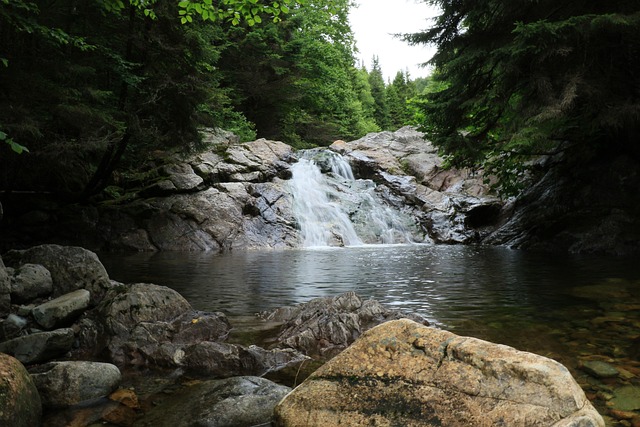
(452, 206)
(326, 326)
(403, 373)
(589, 207)
(20, 404)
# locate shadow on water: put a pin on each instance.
(570, 308)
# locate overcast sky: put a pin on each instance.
(375, 21)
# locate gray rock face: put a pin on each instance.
(240, 401)
(453, 206)
(326, 326)
(71, 268)
(30, 281)
(403, 373)
(20, 404)
(69, 383)
(39, 347)
(567, 210)
(62, 310)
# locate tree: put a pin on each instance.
(521, 78)
(398, 93)
(376, 81)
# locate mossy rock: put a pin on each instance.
(20, 403)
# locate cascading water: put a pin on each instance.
(335, 209)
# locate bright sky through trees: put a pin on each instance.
(375, 21)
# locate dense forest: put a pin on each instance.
(91, 87)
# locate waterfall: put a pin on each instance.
(335, 209)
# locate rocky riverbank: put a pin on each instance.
(138, 355)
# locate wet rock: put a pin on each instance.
(71, 268)
(69, 383)
(11, 326)
(599, 369)
(62, 310)
(626, 398)
(403, 373)
(325, 326)
(239, 401)
(222, 360)
(30, 281)
(39, 347)
(20, 404)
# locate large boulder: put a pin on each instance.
(147, 323)
(238, 401)
(326, 326)
(30, 281)
(403, 373)
(20, 404)
(71, 268)
(69, 383)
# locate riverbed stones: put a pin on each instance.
(69, 383)
(599, 369)
(71, 268)
(5, 290)
(403, 373)
(20, 404)
(239, 401)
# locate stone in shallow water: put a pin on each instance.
(599, 369)
(626, 398)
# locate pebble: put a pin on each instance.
(599, 369)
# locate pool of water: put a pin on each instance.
(571, 308)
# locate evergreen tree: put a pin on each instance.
(521, 78)
(380, 108)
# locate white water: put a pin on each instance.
(335, 209)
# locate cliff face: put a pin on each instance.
(590, 209)
(238, 196)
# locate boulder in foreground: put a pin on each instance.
(403, 373)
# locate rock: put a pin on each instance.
(69, 383)
(148, 323)
(11, 327)
(39, 347)
(71, 268)
(30, 281)
(599, 369)
(5, 291)
(239, 401)
(20, 404)
(579, 206)
(626, 398)
(222, 360)
(403, 373)
(62, 310)
(326, 326)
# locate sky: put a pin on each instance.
(375, 21)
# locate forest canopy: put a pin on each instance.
(93, 86)
(519, 78)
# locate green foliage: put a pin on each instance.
(15, 147)
(520, 78)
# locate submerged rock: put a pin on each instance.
(239, 401)
(403, 373)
